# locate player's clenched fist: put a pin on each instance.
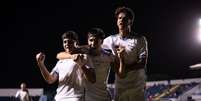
(40, 58)
(120, 51)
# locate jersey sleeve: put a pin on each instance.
(143, 48)
(107, 43)
(56, 68)
(110, 55)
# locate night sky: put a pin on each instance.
(31, 26)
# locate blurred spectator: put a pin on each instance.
(23, 93)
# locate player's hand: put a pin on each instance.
(80, 59)
(120, 51)
(40, 58)
(75, 57)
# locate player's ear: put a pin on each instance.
(76, 44)
(130, 22)
(101, 41)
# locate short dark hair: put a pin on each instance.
(96, 32)
(129, 12)
(70, 34)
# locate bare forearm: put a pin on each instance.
(121, 70)
(119, 67)
(45, 73)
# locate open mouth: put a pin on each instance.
(122, 24)
(66, 46)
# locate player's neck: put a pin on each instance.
(96, 52)
(123, 33)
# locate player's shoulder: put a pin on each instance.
(138, 36)
(141, 39)
(112, 36)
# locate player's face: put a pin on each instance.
(23, 86)
(69, 44)
(94, 42)
(123, 22)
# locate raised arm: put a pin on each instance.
(49, 78)
(64, 55)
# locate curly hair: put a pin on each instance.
(129, 12)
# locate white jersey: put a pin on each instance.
(22, 95)
(135, 47)
(71, 78)
(98, 90)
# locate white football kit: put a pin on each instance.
(71, 78)
(98, 91)
(130, 88)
